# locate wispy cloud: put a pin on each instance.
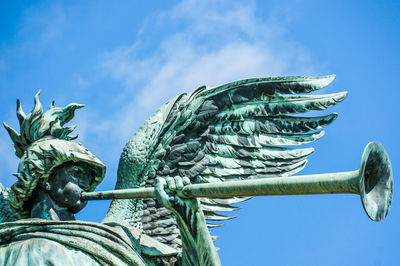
(214, 43)
(40, 27)
(52, 23)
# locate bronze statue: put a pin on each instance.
(196, 156)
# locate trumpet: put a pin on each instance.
(373, 182)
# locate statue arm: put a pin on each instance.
(197, 245)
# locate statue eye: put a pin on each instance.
(73, 169)
(78, 169)
(76, 172)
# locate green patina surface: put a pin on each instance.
(195, 157)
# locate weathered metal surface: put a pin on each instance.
(336, 183)
(198, 144)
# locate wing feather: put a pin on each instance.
(282, 105)
(230, 132)
(263, 139)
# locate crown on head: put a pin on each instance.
(37, 124)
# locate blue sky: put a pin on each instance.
(123, 59)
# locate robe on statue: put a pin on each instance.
(65, 243)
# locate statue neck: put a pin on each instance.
(44, 207)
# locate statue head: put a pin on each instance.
(50, 160)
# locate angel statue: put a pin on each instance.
(198, 155)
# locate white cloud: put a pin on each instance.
(51, 23)
(215, 43)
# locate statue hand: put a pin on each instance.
(168, 194)
(197, 245)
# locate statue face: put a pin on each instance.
(67, 182)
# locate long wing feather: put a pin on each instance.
(234, 131)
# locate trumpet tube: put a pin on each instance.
(373, 182)
(336, 183)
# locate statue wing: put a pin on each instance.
(6, 213)
(231, 132)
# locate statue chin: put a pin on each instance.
(78, 206)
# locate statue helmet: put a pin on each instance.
(42, 145)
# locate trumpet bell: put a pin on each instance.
(376, 182)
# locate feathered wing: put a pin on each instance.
(6, 213)
(235, 131)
